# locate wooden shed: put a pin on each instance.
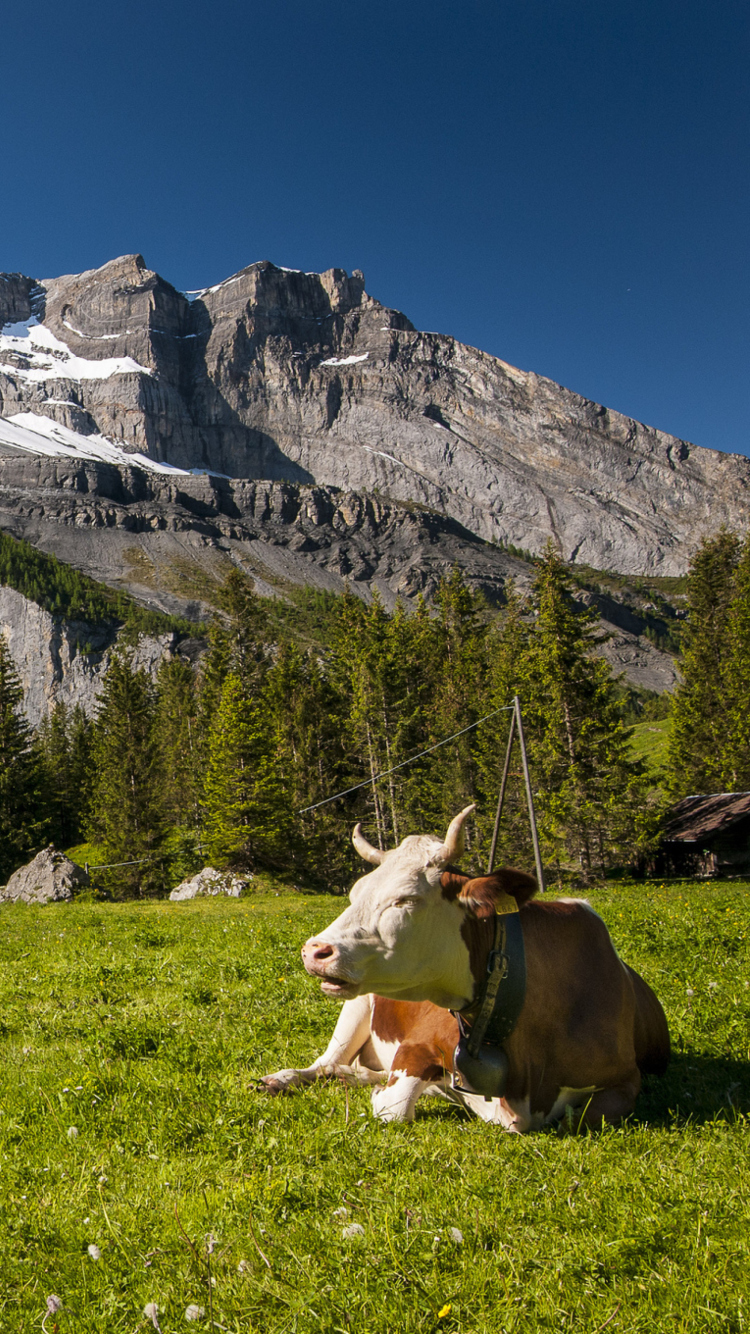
(704, 835)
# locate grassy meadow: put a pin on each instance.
(132, 1037)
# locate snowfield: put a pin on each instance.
(44, 357)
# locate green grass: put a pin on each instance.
(144, 1027)
(650, 743)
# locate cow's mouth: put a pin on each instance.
(338, 986)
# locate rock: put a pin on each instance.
(50, 878)
(304, 378)
(61, 661)
(208, 881)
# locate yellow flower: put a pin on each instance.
(444, 1310)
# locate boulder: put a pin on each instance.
(208, 881)
(50, 878)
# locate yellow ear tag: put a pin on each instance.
(505, 903)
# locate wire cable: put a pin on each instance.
(506, 708)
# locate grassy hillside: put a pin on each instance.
(64, 591)
(650, 743)
(131, 1039)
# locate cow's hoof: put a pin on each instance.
(283, 1081)
(274, 1086)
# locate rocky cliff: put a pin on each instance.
(303, 378)
(61, 661)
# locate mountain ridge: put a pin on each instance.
(279, 375)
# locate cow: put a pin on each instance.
(410, 952)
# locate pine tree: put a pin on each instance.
(22, 827)
(510, 674)
(701, 706)
(307, 716)
(458, 672)
(735, 745)
(63, 746)
(590, 790)
(246, 815)
(237, 644)
(176, 728)
(127, 810)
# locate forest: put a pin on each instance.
(232, 763)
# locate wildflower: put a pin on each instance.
(690, 991)
(210, 1242)
(243, 1267)
(103, 1180)
(53, 1306)
(193, 1312)
(353, 1230)
(341, 1213)
(151, 1312)
(94, 1252)
(72, 1132)
(456, 1235)
(444, 1311)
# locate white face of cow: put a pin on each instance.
(400, 937)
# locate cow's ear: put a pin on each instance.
(485, 893)
(451, 884)
(519, 884)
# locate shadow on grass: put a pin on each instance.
(695, 1088)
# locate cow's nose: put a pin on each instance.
(318, 951)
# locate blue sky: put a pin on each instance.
(563, 183)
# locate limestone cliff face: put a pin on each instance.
(275, 375)
(62, 661)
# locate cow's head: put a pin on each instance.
(401, 935)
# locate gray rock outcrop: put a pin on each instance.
(61, 661)
(281, 376)
(50, 878)
(209, 882)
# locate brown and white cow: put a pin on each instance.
(413, 946)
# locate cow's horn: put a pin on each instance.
(453, 846)
(366, 851)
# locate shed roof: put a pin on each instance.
(699, 817)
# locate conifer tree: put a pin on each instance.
(458, 668)
(590, 790)
(176, 728)
(245, 808)
(701, 706)
(237, 644)
(735, 748)
(127, 810)
(63, 744)
(308, 720)
(22, 828)
(510, 674)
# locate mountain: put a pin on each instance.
(290, 423)
(276, 375)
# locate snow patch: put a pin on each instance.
(344, 361)
(97, 338)
(32, 434)
(46, 358)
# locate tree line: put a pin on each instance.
(229, 763)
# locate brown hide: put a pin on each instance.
(588, 1019)
(426, 1035)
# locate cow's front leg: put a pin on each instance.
(349, 1037)
(416, 1068)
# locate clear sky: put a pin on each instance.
(563, 183)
